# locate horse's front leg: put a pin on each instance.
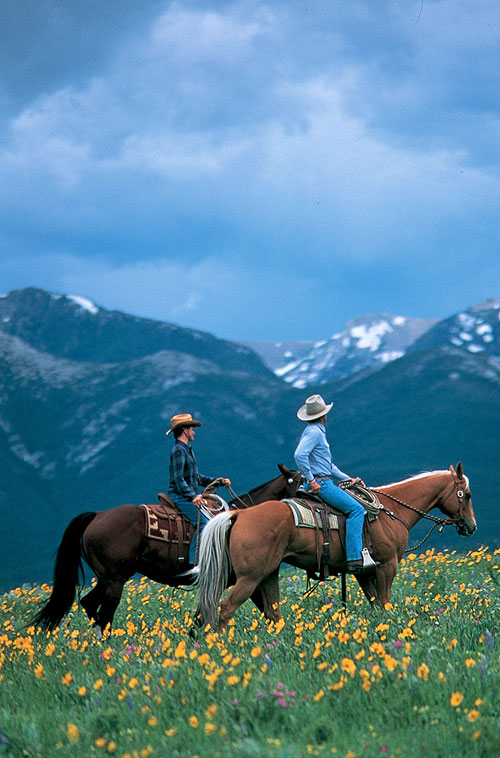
(267, 596)
(368, 584)
(385, 574)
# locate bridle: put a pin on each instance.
(462, 495)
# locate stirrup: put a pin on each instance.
(368, 563)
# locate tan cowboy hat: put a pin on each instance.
(313, 408)
(182, 419)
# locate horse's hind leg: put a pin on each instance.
(243, 589)
(91, 603)
(267, 596)
(110, 598)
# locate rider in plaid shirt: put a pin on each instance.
(185, 478)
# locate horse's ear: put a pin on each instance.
(284, 470)
(452, 469)
(460, 470)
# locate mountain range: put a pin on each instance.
(86, 395)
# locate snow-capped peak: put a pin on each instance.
(84, 303)
(367, 341)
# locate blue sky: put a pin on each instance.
(259, 170)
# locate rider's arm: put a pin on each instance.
(307, 443)
(338, 474)
(178, 461)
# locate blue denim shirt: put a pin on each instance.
(313, 455)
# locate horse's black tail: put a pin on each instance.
(68, 574)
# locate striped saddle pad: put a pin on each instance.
(308, 514)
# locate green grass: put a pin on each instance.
(419, 678)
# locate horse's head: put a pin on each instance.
(457, 503)
(293, 480)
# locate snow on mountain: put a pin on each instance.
(368, 341)
(276, 355)
(476, 330)
(87, 305)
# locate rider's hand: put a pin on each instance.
(198, 500)
(314, 486)
(226, 482)
(357, 480)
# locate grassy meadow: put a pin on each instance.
(421, 678)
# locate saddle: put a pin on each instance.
(166, 523)
(310, 511)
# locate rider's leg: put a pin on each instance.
(190, 510)
(354, 511)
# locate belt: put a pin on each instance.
(322, 476)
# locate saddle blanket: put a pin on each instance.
(304, 516)
(162, 525)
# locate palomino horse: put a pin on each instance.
(248, 547)
(115, 546)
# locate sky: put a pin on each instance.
(262, 170)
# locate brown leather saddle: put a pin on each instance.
(322, 521)
(166, 523)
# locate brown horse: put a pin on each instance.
(249, 546)
(115, 546)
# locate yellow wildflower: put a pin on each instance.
(456, 698)
(193, 721)
(256, 651)
(211, 711)
(73, 733)
(209, 728)
(67, 678)
(473, 714)
(180, 650)
(390, 662)
(348, 665)
(423, 672)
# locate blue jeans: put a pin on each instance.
(355, 512)
(189, 510)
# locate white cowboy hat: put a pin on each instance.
(313, 408)
(182, 419)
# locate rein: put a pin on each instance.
(236, 498)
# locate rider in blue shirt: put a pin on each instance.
(314, 460)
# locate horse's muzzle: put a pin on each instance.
(465, 529)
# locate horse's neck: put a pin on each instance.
(269, 491)
(422, 493)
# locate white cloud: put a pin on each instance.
(264, 130)
(211, 34)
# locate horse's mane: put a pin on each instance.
(413, 478)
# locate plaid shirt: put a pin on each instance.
(184, 475)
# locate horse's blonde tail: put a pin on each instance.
(215, 566)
